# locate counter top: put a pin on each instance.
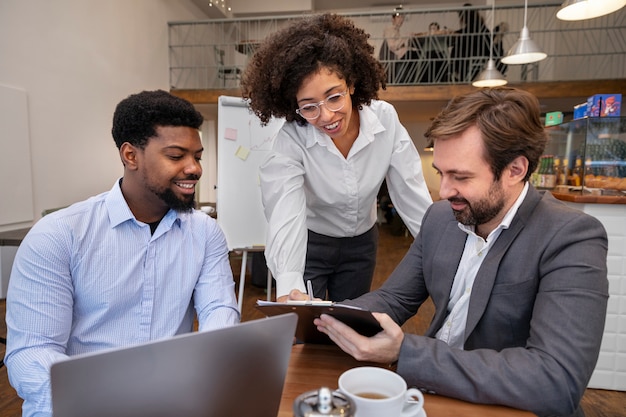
(577, 197)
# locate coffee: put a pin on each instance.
(372, 395)
(379, 392)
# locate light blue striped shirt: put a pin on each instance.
(91, 277)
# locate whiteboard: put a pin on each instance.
(242, 145)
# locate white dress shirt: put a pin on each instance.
(306, 183)
(476, 248)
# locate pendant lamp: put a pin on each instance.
(490, 76)
(525, 51)
(588, 9)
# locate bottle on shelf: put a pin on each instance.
(563, 173)
(538, 179)
(550, 174)
(577, 173)
(557, 169)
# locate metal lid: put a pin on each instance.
(323, 402)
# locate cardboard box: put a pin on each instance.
(554, 118)
(580, 111)
(604, 105)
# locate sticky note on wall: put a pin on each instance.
(242, 153)
(230, 133)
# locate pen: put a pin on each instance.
(309, 289)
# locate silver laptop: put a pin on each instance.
(238, 371)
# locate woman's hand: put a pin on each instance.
(295, 295)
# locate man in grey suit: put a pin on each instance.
(518, 279)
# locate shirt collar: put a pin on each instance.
(119, 212)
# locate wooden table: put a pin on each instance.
(315, 366)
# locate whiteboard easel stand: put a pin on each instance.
(242, 274)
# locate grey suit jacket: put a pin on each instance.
(536, 313)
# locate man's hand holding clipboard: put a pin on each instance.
(362, 321)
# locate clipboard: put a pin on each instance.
(362, 321)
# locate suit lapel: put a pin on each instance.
(450, 248)
(486, 277)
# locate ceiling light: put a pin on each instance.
(524, 51)
(588, 9)
(490, 76)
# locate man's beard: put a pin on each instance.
(181, 205)
(483, 210)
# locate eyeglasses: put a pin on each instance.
(334, 102)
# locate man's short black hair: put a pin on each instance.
(136, 117)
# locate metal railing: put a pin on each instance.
(211, 54)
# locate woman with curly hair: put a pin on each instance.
(337, 145)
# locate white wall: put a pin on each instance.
(15, 157)
(76, 59)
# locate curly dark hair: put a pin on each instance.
(276, 71)
(136, 117)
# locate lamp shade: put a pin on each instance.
(524, 51)
(489, 77)
(588, 9)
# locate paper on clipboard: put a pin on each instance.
(362, 321)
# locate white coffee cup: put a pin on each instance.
(378, 392)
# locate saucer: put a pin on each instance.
(422, 413)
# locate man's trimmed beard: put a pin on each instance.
(484, 209)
